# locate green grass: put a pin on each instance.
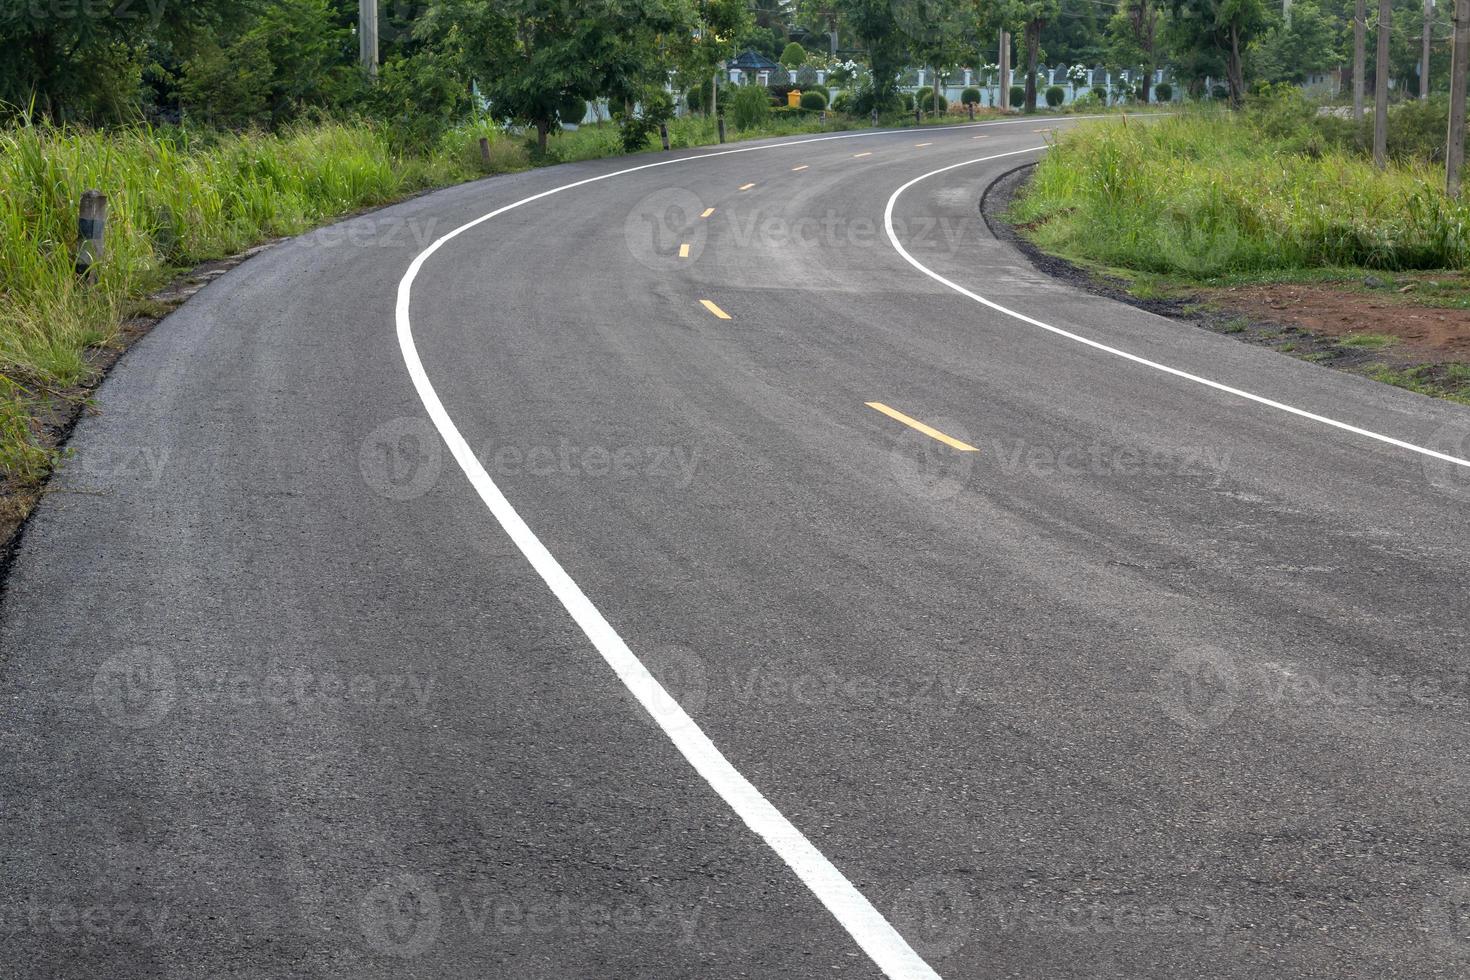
(1367, 341)
(1207, 195)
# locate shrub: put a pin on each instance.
(814, 100)
(842, 102)
(1055, 96)
(1164, 92)
(794, 56)
(1100, 93)
(1220, 92)
(634, 130)
(749, 105)
(908, 101)
(926, 100)
(1018, 96)
(970, 96)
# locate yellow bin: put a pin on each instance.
(793, 98)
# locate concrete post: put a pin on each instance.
(91, 232)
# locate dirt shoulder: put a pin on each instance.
(1409, 330)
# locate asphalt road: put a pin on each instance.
(1158, 681)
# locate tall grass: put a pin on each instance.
(1207, 194)
(175, 198)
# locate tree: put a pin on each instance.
(1133, 39)
(1205, 34)
(1290, 51)
(1036, 13)
(794, 56)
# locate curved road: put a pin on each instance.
(998, 630)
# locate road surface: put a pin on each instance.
(733, 563)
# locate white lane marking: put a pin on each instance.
(1270, 403)
(883, 944)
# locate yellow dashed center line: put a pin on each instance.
(894, 413)
(864, 154)
(715, 309)
(684, 251)
(923, 144)
(707, 212)
(802, 167)
(1046, 130)
(746, 187)
(980, 137)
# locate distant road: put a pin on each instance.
(742, 566)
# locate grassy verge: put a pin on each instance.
(1210, 207)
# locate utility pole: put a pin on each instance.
(1424, 50)
(367, 35)
(1454, 154)
(1360, 58)
(1003, 83)
(1380, 87)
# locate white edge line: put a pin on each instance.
(1259, 399)
(869, 929)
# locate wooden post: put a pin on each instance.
(1360, 57)
(720, 121)
(367, 35)
(918, 113)
(485, 151)
(1459, 59)
(91, 231)
(822, 117)
(971, 107)
(663, 134)
(1380, 87)
(1424, 51)
(875, 115)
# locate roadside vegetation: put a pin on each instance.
(1215, 207)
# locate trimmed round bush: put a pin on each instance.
(1055, 96)
(814, 100)
(926, 101)
(1101, 93)
(1164, 92)
(794, 56)
(970, 96)
(1018, 96)
(842, 102)
(908, 101)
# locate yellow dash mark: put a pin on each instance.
(894, 413)
(715, 309)
(707, 212)
(1046, 130)
(923, 144)
(746, 187)
(867, 153)
(802, 167)
(684, 251)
